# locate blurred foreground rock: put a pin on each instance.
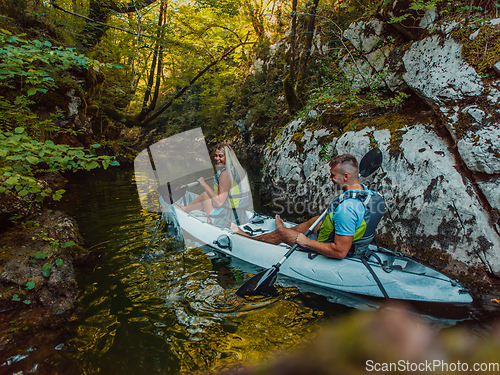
(389, 341)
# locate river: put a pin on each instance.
(148, 305)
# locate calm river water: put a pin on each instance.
(150, 306)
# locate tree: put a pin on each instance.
(100, 12)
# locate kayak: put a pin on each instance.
(401, 276)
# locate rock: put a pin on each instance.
(496, 68)
(429, 17)
(380, 66)
(432, 206)
(379, 69)
(365, 36)
(30, 248)
(491, 190)
(480, 150)
(436, 71)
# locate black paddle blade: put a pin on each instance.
(172, 193)
(370, 162)
(258, 283)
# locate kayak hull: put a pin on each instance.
(402, 277)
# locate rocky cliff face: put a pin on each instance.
(441, 158)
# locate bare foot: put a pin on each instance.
(236, 229)
(279, 221)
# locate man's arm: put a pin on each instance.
(337, 249)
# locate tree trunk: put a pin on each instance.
(99, 13)
(309, 38)
(152, 105)
(157, 56)
(93, 31)
(307, 53)
(292, 40)
(292, 100)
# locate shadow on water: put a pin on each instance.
(151, 304)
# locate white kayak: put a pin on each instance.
(401, 276)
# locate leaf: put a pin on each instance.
(30, 285)
(23, 193)
(96, 145)
(47, 267)
(59, 263)
(27, 301)
(118, 66)
(68, 244)
(11, 181)
(47, 43)
(15, 297)
(19, 130)
(40, 255)
(32, 159)
(6, 31)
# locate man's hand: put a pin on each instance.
(301, 240)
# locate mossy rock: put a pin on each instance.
(297, 139)
(483, 51)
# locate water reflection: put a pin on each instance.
(151, 305)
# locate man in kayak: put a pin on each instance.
(350, 224)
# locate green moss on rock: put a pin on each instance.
(483, 51)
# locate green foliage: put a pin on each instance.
(341, 91)
(30, 285)
(21, 157)
(68, 244)
(47, 267)
(327, 152)
(33, 66)
(40, 255)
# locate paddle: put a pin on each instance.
(177, 192)
(265, 279)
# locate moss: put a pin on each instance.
(292, 100)
(335, 120)
(326, 139)
(297, 138)
(390, 121)
(483, 51)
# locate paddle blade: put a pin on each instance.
(258, 283)
(172, 193)
(370, 162)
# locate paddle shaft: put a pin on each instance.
(195, 183)
(177, 193)
(294, 247)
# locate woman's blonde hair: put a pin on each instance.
(233, 166)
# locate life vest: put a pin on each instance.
(235, 199)
(363, 235)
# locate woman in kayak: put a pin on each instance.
(229, 190)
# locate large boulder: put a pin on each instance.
(378, 61)
(438, 73)
(433, 210)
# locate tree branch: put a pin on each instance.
(53, 3)
(164, 107)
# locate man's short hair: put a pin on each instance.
(345, 159)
